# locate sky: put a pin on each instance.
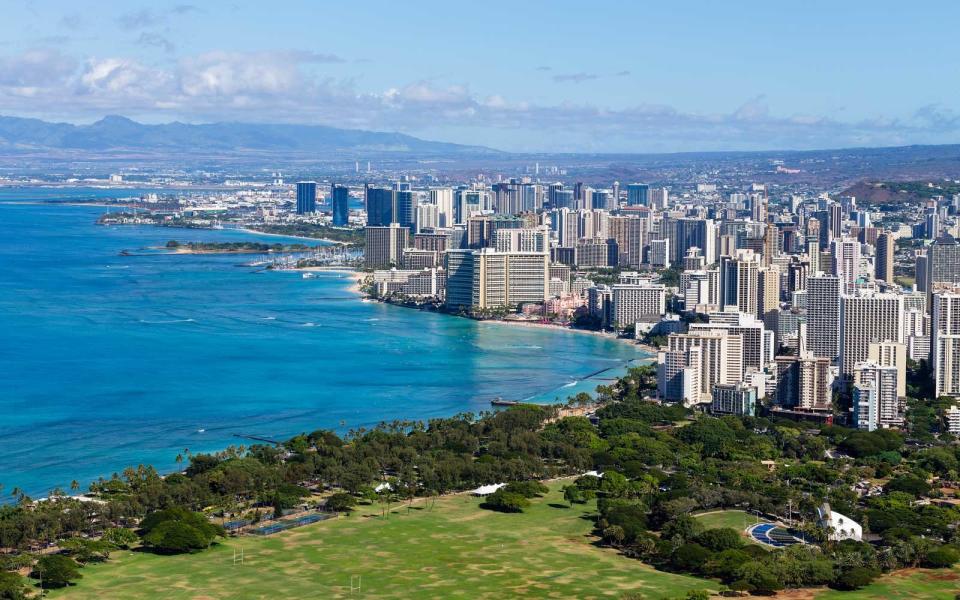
(526, 75)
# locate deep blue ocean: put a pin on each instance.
(108, 361)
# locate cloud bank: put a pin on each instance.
(289, 86)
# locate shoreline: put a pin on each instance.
(296, 237)
(555, 327)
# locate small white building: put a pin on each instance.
(486, 490)
(841, 527)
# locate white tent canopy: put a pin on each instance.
(486, 490)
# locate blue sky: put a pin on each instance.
(521, 75)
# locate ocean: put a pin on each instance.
(108, 361)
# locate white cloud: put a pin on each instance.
(290, 86)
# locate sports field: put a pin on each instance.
(454, 550)
(735, 519)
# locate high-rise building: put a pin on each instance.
(771, 243)
(943, 261)
(659, 254)
(659, 198)
(486, 278)
(596, 252)
(886, 247)
(340, 199)
(522, 240)
(629, 233)
(694, 362)
(739, 281)
(380, 205)
(406, 209)
(823, 315)
(804, 382)
(466, 203)
(945, 341)
(922, 267)
(875, 400)
(757, 341)
(306, 197)
(733, 399)
(633, 303)
(846, 263)
(768, 296)
(443, 199)
(700, 290)
(384, 245)
(891, 354)
(865, 319)
(688, 233)
(638, 194)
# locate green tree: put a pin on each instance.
(504, 501)
(340, 502)
(855, 578)
(942, 558)
(177, 529)
(56, 571)
(573, 495)
(121, 537)
(12, 586)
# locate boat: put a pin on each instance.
(498, 401)
(309, 275)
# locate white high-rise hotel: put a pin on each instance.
(945, 341)
(867, 318)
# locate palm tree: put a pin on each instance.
(74, 485)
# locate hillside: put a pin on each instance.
(900, 192)
(115, 133)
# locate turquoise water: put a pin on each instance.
(108, 361)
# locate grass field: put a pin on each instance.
(455, 550)
(737, 519)
(910, 584)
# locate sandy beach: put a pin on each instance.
(555, 327)
(356, 276)
(296, 237)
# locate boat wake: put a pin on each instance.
(144, 321)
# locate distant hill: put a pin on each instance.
(114, 133)
(900, 192)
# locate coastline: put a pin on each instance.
(296, 237)
(555, 327)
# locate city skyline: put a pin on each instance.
(534, 77)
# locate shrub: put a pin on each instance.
(56, 571)
(120, 537)
(177, 529)
(910, 484)
(855, 578)
(685, 527)
(690, 557)
(942, 558)
(341, 502)
(720, 539)
(527, 489)
(504, 501)
(12, 587)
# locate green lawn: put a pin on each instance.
(737, 519)
(911, 584)
(456, 550)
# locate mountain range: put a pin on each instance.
(116, 133)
